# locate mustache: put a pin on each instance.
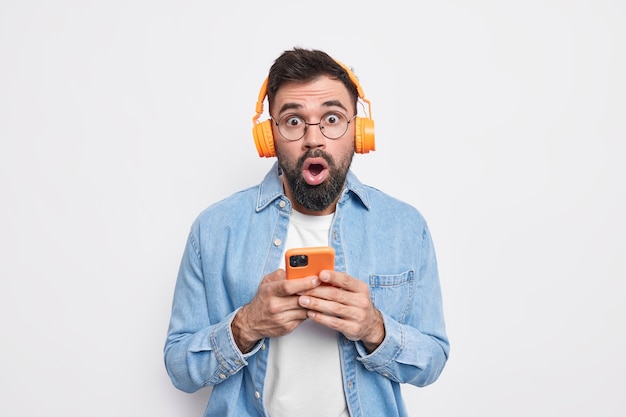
(316, 153)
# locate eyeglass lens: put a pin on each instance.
(332, 125)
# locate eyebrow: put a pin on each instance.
(295, 106)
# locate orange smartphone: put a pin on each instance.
(304, 262)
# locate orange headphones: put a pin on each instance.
(264, 139)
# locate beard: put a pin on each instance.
(316, 197)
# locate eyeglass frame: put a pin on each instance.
(307, 124)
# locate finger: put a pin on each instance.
(280, 325)
(296, 286)
(347, 320)
(333, 322)
(334, 302)
(343, 281)
(278, 305)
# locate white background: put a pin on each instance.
(502, 122)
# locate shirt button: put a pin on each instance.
(257, 395)
(277, 242)
(237, 362)
(282, 204)
(222, 376)
(262, 346)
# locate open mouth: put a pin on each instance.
(315, 171)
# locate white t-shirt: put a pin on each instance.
(304, 371)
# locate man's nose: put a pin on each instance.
(313, 137)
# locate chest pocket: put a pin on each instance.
(393, 294)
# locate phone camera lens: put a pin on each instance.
(298, 260)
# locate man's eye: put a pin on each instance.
(332, 119)
(293, 121)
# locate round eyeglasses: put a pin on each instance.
(333, 125)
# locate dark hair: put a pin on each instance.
(304, 65)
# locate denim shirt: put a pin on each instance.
(234, 243)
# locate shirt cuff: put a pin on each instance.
(230, 358)
(384, 354)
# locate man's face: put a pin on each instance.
(314, 167)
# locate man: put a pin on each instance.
(274, 347)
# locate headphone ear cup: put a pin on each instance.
(264, 139)
(364, 135)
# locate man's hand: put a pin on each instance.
(274, 310)
(345, 306)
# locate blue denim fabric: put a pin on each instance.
(234, 243)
